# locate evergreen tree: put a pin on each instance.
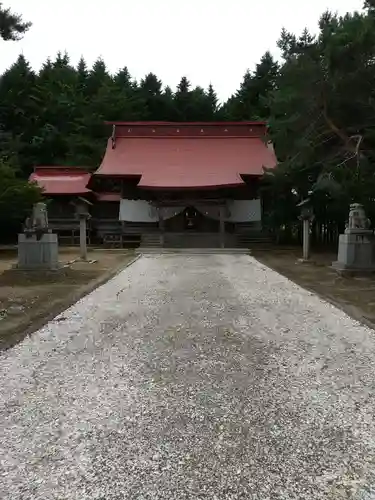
(123, 80)
(251, 102)
(181, 99)
(16, 127)
(184, 86)
(128, 103)
(212, 100)
(12, 26)
(18, 112)
(150, 90)
(82, 77)
(98, 78)
(369, 5)
(196, 104)
(100, 107)
(170, 111)
(57, 98)
(322, 116)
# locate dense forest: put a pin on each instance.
(319, 101)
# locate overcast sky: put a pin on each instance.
(206, 40)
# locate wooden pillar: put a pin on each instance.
(222, 227)
(83, 237)
(161, 226)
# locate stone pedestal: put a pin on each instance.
(38, 254)
(356, 252)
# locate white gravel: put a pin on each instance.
(191, 377)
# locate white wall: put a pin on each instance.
(137, 211)
(237, 211)
(244, 210)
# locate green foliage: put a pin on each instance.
(12, 27)
(322, 117)
(17, 197)
(319, 102)
(56, 117)
(251, 101)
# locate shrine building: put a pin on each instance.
(167, 184)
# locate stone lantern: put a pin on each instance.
(306, 215)
(82, 213)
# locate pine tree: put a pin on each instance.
(184, 86)
(98, 78)
(213, 101)
(57, 97)
(18, 111)
(128, 103)
(12, 26)
(370, 6)
(182, 98)
(322, 116)
(123, 79)
(82, 76)
(155, 105)
(252, 100)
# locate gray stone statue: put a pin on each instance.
(357, 219)
(40, 215)
(38, 247)
(38, 222)
(356, 252)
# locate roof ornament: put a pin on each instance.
(113, 137)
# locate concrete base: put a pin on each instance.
(356, 253)
(36, 254)
(305, 261)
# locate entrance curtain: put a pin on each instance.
(235, 211)
(169, 212)
(212, 211)
(143, 211)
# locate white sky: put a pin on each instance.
(205, 40)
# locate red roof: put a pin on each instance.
(61, 180)
(193, 155)
(187, 124)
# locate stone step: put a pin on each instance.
(248, 239)
(203, 240)
(150, 240)
(192, 251)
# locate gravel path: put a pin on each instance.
(191, 377)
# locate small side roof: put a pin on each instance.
(62, 180)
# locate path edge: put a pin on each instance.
(62, 305)
(351, 311)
